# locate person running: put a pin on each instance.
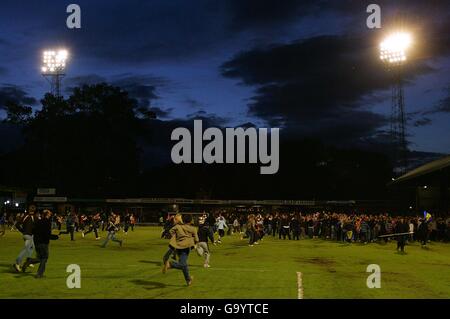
(118, 221)
(202, 246)
(93, 226)
(26, 228)
(184, 237)
(42, 232)
(112, 229)
(59, 221)
(126, 223)
(221, 225)
(211, 222)
(70, 226)
(172, 221)
(104, 220)
(83, 223)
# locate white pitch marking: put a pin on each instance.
(300, 285)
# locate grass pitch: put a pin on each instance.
(268, 270)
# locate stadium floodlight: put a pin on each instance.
(53, 67)
(54, 62)
(393, 49)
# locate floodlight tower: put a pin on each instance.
(53, 68)
(393, 53)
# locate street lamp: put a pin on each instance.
(53, 68)
(393, 52)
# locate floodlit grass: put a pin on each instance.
(268, 270)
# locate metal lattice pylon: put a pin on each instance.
(398, 122)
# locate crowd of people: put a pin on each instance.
(345, 227)
(74, 222)
(362, 228)
(37, 226)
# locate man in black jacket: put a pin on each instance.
(202, 246)
(42, 233)
(26, 228)
(400, 228)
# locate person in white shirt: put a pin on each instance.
(221, 225)
(411, 230)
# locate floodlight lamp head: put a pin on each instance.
(393, 48)
(54, 62)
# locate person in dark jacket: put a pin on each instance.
(26, 228)
(211, 223)
(285, 227)
(93, 226)
(42, 233)
(295, 227)
(70, 226)
(423, 232)
(202, 246)
(401, 227)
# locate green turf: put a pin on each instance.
(268, 270)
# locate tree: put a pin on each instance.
(16, 113)
(85, 144)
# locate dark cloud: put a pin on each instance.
(160, 113)
(209, 119)
(422, 122)
(89, 79)
(138, 31)
(3, 71)
(247, 125)
(166, 30)
(193, 103)
(141, 87)
(267, 13)
(419, 118)
(17, 94)
(320, 86)
(442, 106)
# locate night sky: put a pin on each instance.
(309, 67)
